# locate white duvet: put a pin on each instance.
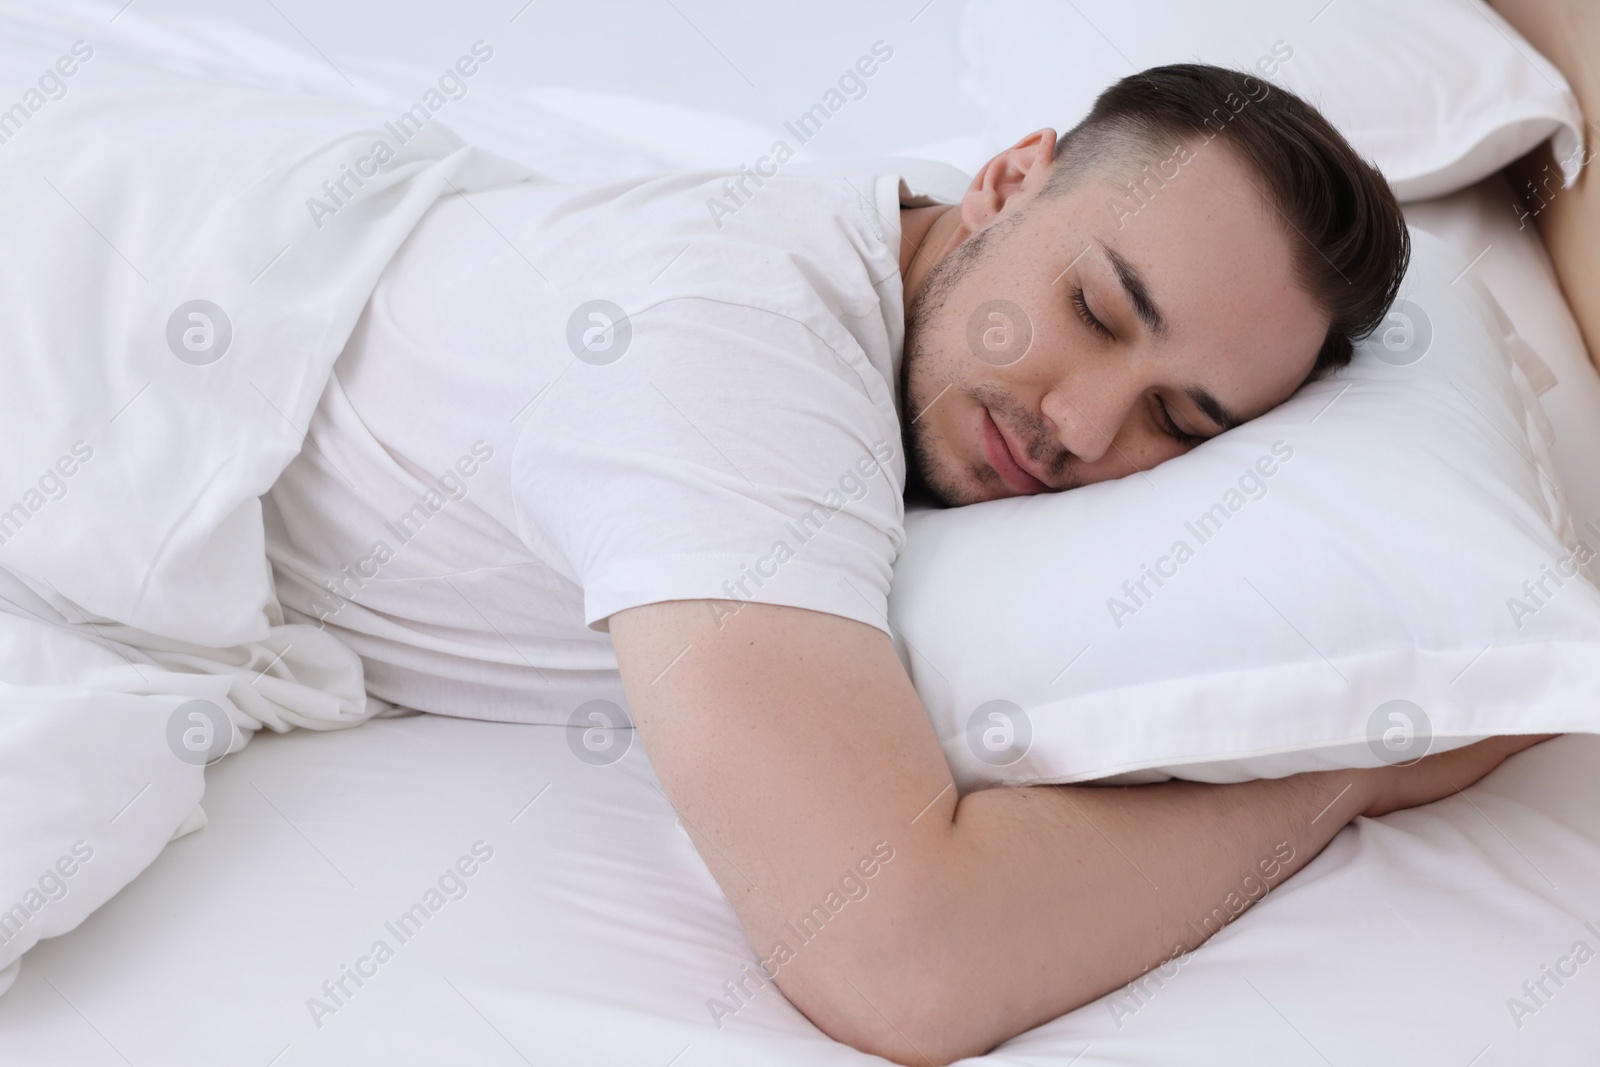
(125, 576)
(174, 174)
(178, 281)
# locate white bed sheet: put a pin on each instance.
(595, 936)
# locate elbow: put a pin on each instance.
(892, 994)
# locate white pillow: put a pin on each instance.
(1256, 607)
(1438, 93)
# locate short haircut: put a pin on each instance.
(1348, 238)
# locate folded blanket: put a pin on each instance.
(181, 267)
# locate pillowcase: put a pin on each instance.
(1438, 93)
(1381, 567)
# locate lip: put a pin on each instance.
(1002, 457)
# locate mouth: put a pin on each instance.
(1005, 460)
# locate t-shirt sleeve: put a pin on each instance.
(728, 453)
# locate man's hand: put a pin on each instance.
(921, 926)
(1393, 788)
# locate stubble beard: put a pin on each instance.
(930, 480)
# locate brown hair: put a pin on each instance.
(1349, 239)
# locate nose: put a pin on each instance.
(1085, 423)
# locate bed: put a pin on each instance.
(589, 932)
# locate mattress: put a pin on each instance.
(588, 931)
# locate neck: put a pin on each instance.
(927, 235)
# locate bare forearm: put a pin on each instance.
(1044, 899)
(1061, 895)
(909, 924)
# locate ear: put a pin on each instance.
(1021, 167)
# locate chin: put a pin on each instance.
(936, 480)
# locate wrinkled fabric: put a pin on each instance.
(181, 268)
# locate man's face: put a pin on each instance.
(1066, 341)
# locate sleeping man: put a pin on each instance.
(677, 421)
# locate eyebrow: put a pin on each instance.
(1213, 409)
(1133, 284)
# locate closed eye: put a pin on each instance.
(1170, 428)
(1082, 307)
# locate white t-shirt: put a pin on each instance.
(475, 499)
